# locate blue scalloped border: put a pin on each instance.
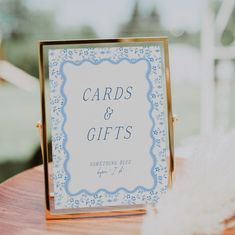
(97, 62)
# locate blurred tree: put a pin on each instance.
(228, 35)
(87, 32)
(13, 18)
(142, 26)
(21, 29)
(150, 25)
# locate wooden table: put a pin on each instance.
(22, 212)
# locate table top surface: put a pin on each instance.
(22, 212)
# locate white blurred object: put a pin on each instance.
(213, 50)
(18, 77)
(203, 195)
(225, 73)
(207, 71)
(225, 70)
(185, 64)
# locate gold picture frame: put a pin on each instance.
(51, 213)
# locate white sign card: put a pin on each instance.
(109, 124)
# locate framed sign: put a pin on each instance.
(106, 125)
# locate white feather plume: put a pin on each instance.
(203, 196)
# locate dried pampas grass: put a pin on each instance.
(203, 196)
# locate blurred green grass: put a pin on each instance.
(186, 104)
(20, 110)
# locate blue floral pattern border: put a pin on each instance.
(156, 96)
